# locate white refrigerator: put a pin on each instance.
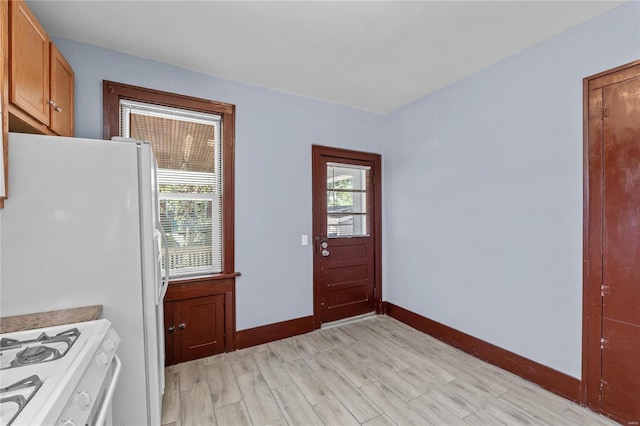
(81, 227)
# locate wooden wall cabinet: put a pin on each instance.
(199, 319)
(40, 79)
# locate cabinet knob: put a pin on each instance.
(182, 326)
(52, 102)
(171, 330)
(57, 109)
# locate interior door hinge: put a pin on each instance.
(604, 385)
(603, 343)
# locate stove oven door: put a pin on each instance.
(101, 412)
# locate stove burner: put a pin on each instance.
(44, 348)
(35, 355)
(14, 397)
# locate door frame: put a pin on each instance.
(592, 235)
(340, 154)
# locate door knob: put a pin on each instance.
(325, 253)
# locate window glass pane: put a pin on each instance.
(187, 145)
(348, 200)
(188, 225)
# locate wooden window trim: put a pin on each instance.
(114, 92)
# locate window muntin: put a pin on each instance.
(348, 200)
(188, 147)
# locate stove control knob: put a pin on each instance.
(83, 400)
(67, 423)
(108, 344)
(102, 359)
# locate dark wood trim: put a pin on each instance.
(317, 152)
(213, 277)
(228, 191)
(614, 75)
(550, 379)
(585, 240)
(113, 92)
(188, 290)
(271, 332)
(592, 228)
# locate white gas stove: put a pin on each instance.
(63, 375)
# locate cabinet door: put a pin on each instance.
(29, 78)
(201, 327)
(61, 93)
(169, 333)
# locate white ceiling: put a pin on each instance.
(371, 55)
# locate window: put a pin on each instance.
(187, 147)
(193, 143)
(348, 200)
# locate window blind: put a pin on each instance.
(188, 147)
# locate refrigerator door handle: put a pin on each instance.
(165, 277)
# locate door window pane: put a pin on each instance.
(348, 200)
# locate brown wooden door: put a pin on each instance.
(201, 327)
(61, 93)
(29, 63)
(614, 242)
(346, 226)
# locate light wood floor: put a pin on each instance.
(374, 372)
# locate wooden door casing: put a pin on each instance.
(611, 336)
(347, 282)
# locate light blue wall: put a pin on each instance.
(482, 186)
(483, 194)
(274, 134)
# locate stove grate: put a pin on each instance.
(14, 397)
(43, 348)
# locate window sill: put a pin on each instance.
(205, 278)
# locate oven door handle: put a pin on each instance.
(109, 395)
